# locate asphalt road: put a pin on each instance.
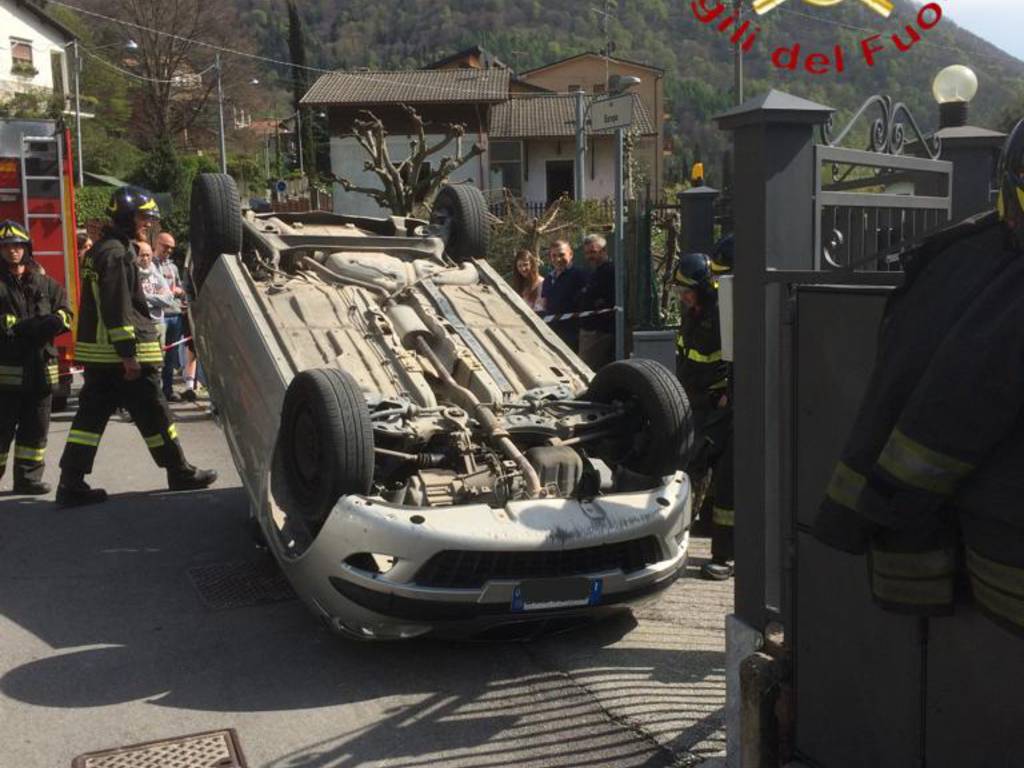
(105, 641)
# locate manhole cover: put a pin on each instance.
(239, 584)
(214, 749)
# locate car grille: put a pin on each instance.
(466, 569)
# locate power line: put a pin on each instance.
(129, 73)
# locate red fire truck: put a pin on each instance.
(37, 189)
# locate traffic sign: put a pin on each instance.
(616, 112)
(281, 186)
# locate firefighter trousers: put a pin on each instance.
(104, 391)
(25, 419)
(723, 512)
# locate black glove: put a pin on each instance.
(39, 329)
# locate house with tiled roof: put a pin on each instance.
(527, 131)
(590, 72)
(532, 147)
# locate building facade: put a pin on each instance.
(33, 51)
(590, 72)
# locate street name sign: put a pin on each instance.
(616, 112)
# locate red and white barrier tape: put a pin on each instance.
(577, 315)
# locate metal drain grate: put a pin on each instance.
(239, 584)
(214, 749)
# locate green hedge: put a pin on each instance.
(91, 203)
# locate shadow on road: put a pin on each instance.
(107, 587)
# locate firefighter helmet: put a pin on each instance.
(722, 255)
(128, 201)
(1011, 185)
(12, 233)
(694, 272)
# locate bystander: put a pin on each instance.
(561, 292)
(163, 251)
(527, 279)
(157, 292)
(597, 332)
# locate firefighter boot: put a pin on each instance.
(189, 478)
(73, 491)
(30, 487)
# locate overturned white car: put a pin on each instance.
(421, 452)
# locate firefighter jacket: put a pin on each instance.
(33, 310)
(942, 276)
(699, 365)
(113, 319)
(951, 462)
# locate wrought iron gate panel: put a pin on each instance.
(857, 213)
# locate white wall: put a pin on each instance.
(347, 159)
(16, 22)
(539, 151)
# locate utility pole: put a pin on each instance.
(220, 104)
(78, 114)
(581, 148)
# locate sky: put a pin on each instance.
(998, 21)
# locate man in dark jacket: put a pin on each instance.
(119, 347)
(705, 376)
(931, 478)
(33, 310)
(597, 332)
(561, 292)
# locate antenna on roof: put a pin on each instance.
(609, 44)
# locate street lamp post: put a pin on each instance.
(78, 115)
(129, 45)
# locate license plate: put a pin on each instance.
(545, 594)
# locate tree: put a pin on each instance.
(409, 182)
(174, 61)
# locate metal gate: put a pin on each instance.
(816, 228)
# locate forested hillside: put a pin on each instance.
(398, 34)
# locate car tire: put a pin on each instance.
(215, 223)
(657, 404)
(464, 209)
(326, 442)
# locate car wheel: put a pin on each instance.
(215, 222)
(326, 442)
(660, 426)
(462, 212)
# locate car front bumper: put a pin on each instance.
(397, 603)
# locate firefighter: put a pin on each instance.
(930, 479)
(118, 346)
(705, 376)
(33, 310)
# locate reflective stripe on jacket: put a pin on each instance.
(114, 321)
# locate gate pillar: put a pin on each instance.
(773, 207)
